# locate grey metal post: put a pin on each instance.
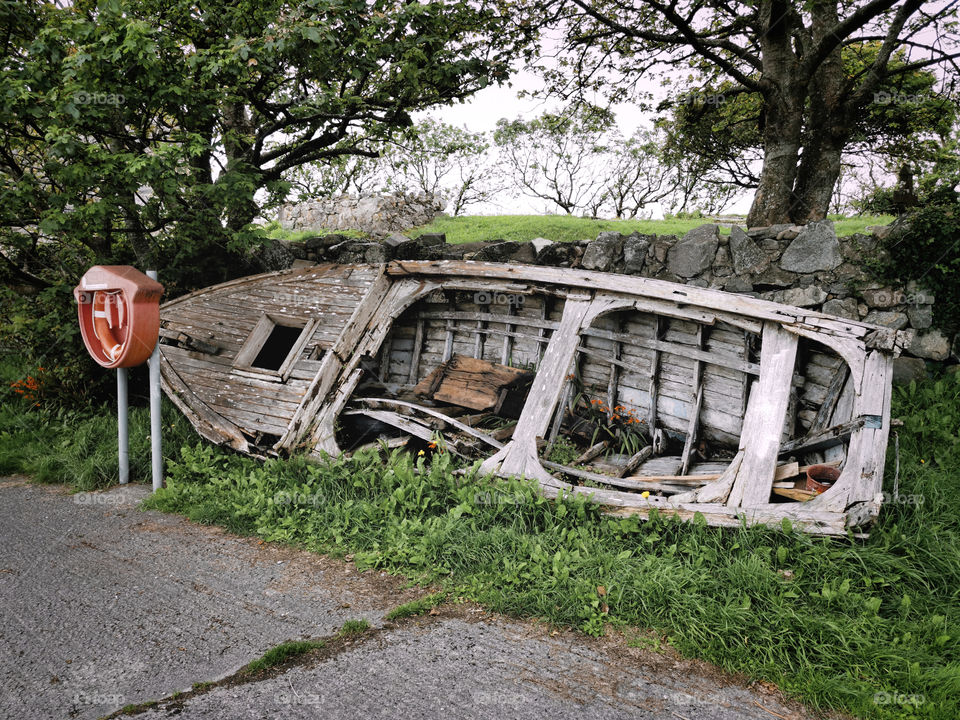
(156, 452)
(123, 433)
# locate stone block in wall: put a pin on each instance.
(816, 248)
(931, 344)
(885, 297)
(540, 243)
(459, 251)
(774, 277)
(745, 253)
(907, 369)
(557, 255)
(432, 239)
(921, 316)
(768, 231)
(524, 254)
(497, 252)
(603, 253)
(845, 308)
(695, 252)
(797, 296)
(737, 284)
(395, 239)
(886, 318)
(635, 250)
(790, 233)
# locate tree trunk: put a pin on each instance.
(817, 178)
(773, 200)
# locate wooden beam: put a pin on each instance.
(760, 440)
(415, 358)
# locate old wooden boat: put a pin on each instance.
(676, 398)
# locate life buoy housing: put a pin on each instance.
(119, 311)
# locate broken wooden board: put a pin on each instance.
(477, 384)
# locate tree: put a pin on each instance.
(554, 157)
(790, 54)
(158, 129)
(445, 161)
(720, 130)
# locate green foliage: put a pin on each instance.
(563, 451)
(927, 249)
(353, 627)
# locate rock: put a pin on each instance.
(661, 247)
(635, 249)
(906, 369)
(274, 255)
(790, 233)
(497, 252)
(773, 276)
(846, 308)
(699, 282)
(798, 297)
(880, 232)
(458, 251)
(723, 257)
(526, 253)
(395, 239)
(695, 252)
(882, 297)
(746, 254)
(816, 248)
(768, 231)
(604, 252)
(557, 255)
(540, 243)
(738, 284)
(359, 251)
(921, 316)
(321, 242)
(895, 320)
(432, 239)
(932, 345)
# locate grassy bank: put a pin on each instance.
(563, 228)
(865, 626)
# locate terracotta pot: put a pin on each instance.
(821, 477)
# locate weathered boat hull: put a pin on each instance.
(729, 389)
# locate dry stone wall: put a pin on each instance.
(805, 266)
(376, 215)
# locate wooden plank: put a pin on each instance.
(825, 412)
(822, 439)
(630, 483)
(415, 358)
(634, 462)
(453, 422)
(448, 342)
(764, 423)
(507, 354)
(697, 390)
(472, 383)
(654, 389)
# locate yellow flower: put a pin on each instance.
(645, 494)
(420, 453)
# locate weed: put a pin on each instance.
(281, 653)
(416, 607)
(353, 627)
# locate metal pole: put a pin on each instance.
(123, 433)
(155, 420)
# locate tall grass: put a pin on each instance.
(870, 627)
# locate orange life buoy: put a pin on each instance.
(108, 319)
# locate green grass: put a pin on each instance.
(281, 653)
(564, 228)
(416, 607)
(836, 623)
(78, 447)
(353, 627)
